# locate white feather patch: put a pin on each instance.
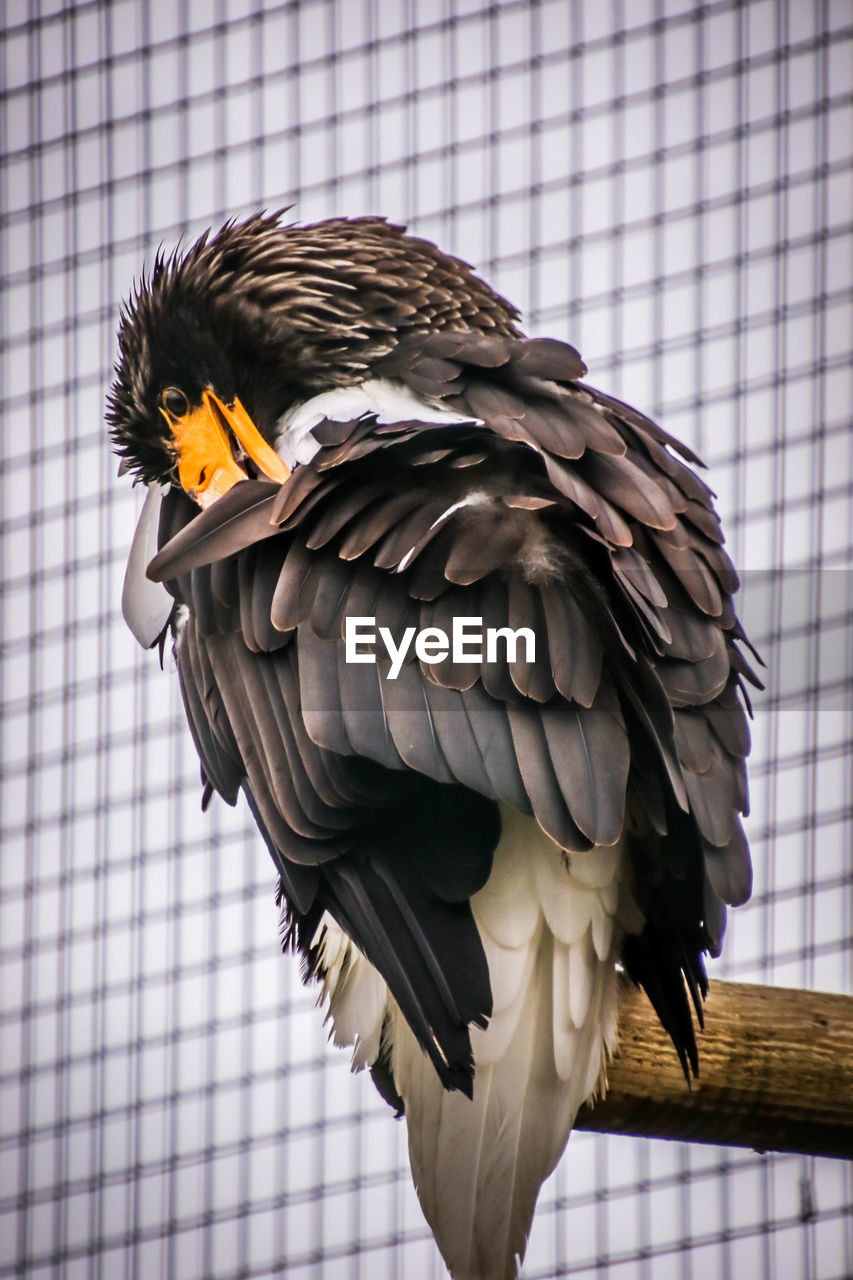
(508, 906)
(596, 868)
(354, 993)
(507, 970)
(547, 925)
(568, 914)
(145, 605)
(491, 1043)
(551, 928)
(602, 928)
(389, 400)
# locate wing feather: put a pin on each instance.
(532, 677)
(576, 652)
(223, 583)
(221, 762)
(408, 716)
(496, 676)
(495, 743)
(590, 750)
(294, 590)
(540, 779)
(237, 520)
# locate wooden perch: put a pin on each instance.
(775, 1073)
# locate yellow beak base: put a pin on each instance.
(206, 464)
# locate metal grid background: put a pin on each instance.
(666, 184)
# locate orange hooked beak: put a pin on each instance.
(203, 439)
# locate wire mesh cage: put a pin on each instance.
(665, 184)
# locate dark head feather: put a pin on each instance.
(275, 314)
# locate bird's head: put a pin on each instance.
(216, 345)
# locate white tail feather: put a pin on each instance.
(357, 996)
(551, 924)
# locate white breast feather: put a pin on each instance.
(551, 925)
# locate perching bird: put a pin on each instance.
(350, 449)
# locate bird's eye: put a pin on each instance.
(175, 402)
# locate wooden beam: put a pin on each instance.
(775, 1073)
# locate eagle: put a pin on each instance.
(459, 627)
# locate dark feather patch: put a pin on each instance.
(540, 780)
(221, 762)
(591, 755)
(532, 677)
(262, 588)
(409, 718)
(410, 535)
(367, 529)
(576, 652)
(223, 581)
(294, 590)
(546, 358)
(630, 489)
(204, 602)
(552, 426)
(458, 744)
(693, 740)
(573, 487)
(482, 543)
(328, 605)
(490, 728)
(235, 521)
(336, 515)
(440, 614)
(290, 497)
(713, 801)
(729, 868)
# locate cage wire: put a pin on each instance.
(666, 185)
